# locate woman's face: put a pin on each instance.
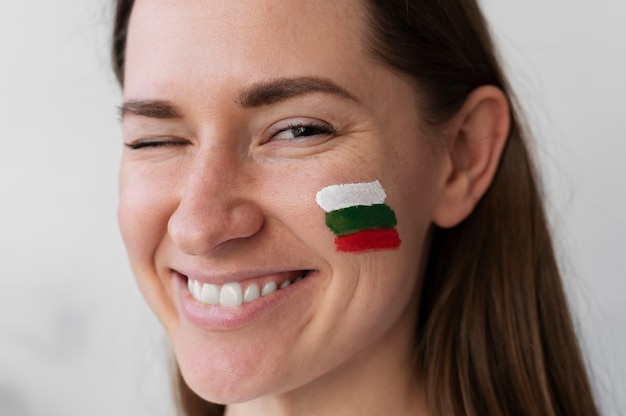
(236, 115)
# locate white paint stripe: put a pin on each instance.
(347, 195)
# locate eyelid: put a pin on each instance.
(155, 142)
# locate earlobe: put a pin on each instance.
(476, 138)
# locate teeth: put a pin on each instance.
(210, 294)
(252, 293)
(230, 294)
(195, 289)
(270, 287)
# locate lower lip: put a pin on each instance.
(217, 318)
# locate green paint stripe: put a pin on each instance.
(354, 219)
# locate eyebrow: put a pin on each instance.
(160, 109)
(257, 95)
(273, 91)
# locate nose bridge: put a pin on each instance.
(212, 171)
(215, 205)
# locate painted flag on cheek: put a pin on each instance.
(357, 215)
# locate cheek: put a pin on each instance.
(288, 200)
(416, 183)
(143, 213)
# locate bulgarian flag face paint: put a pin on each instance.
(358, 216)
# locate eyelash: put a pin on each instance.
(153, 144)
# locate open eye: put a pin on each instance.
(301, 130)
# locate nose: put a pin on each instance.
(216, 205)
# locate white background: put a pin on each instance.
(75, 336)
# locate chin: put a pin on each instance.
(221, 374)
(226, 389)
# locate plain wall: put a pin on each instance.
(75, 335)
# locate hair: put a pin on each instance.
(494, 333)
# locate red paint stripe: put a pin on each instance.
(366, 240)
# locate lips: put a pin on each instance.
(235, 294)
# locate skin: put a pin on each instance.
(222, 194)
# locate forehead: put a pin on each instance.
(202, 41)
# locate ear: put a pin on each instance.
(475, 139)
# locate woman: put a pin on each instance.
(330, 208)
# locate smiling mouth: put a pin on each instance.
(233, 294)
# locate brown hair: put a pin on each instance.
(494, 334)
